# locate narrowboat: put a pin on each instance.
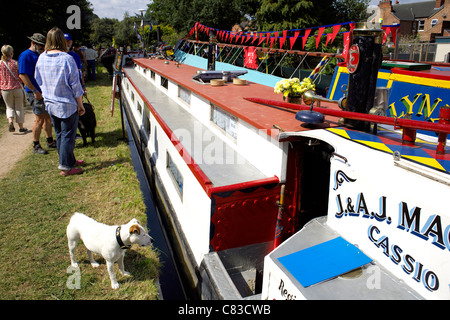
(264, 199)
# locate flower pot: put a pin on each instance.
(297, 100)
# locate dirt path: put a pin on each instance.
(14, 144)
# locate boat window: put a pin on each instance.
(224, 120)
(184, 94)
(152, 74)
(139, 107)
(164, 82)
(146, 120)
(177, 178)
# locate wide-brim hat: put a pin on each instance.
(38, 38)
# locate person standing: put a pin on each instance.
(27, 64)
(91, 58)
(57, 74)
(75, 56)
(11, 89)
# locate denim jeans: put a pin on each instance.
(66, 131)
(92, 64)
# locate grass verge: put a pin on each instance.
(37, 203)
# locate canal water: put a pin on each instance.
(170, 281)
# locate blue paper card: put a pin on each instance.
(324, 261)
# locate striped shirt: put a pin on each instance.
(7, 80)
(57, 75)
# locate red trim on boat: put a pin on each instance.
(244, 185)
(195, 169)
(430, 74)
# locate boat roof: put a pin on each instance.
(435, 72)
(230, 97)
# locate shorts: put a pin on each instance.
(37, 105)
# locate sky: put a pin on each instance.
(117, 8)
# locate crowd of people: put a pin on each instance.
(50, 75)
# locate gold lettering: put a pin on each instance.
(393, 111)
(428, 110)
(408, 104)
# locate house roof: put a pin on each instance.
(412, 11)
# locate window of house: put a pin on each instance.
(434, 22)
(421, 25)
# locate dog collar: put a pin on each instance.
(119, 240)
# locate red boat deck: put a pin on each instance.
(230, 97)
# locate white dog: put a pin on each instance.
(107, 241)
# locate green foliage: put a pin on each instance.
(34, 265)
(285, 14)
(125, 35)
(103, 31)
(351, 10)
(21, 18)
(183, 14)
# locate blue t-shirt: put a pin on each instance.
(76, 56)
(27, 64)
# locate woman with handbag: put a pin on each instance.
(12, 89)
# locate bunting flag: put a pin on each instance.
(255, 37)
(321, 30)
(305, 37)
(283, 39)
(272, 37)
(329, 38)
(261, 39)
(294, 38)
(336, 29)
(390, 30)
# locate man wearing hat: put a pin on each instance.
(27, 64)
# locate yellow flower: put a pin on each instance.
(293, 86)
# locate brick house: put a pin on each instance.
(428, 19)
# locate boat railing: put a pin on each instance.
(279, 62)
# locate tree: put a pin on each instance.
(285, 14)
(103, 31)
(351, 10)
(183, 14)
(125, 35)
(277, 15)
(21, 18)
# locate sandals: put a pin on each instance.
(71, 172)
